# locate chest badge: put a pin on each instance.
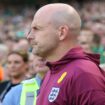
(53, 94)
(62, 77)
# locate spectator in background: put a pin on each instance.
(31, 72)
(85, 39)
(3, 56)
(9, 42)
(24, 44)
(17, 68)
(21, 45)
(30, 86)
(91, 42)
(1, 74)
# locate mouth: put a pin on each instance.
(32, 43)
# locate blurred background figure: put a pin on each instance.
(36, 65)
(31, 70)
(1, 74)
(91, 42)
(39, 66)
(3, 53)
(3, 56)
(16, 69)
(37, 71)
(85, 40)
(21, 45)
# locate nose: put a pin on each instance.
(29, 36)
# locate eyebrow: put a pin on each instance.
(36, 26)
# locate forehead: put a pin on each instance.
(41, 19)
(15, 57)
(86, 32)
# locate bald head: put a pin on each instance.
(60, 14)
(56, 22)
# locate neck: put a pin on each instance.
(60, 52)
(41, 75)
(16, 80)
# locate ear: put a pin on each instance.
(63, 32)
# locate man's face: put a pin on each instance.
(82, 40)
(42, 36)
(39, 65)
(15, 65)
(85, 40)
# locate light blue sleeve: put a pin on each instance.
(13, 96)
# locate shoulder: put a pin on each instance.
(4, 82)
(84, 73)
(15, 90)
(3, 85)
(82, 66)
(28, 81)
(84, 70)
(13, 96)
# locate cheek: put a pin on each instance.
(47, 39)
(53, 41)
(41, 42)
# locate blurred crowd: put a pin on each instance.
(15, 50)
(14, 25)
(92, 35)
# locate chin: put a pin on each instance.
(34, 52)
(37, 53)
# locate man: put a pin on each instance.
(26, 92)
(74, 77)
(22, 45)
(90, 42)
(85, 40)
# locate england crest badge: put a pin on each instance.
(53, 94)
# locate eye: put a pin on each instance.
(17, 62)
(32, 30)
(35, 28)
(8, 62)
